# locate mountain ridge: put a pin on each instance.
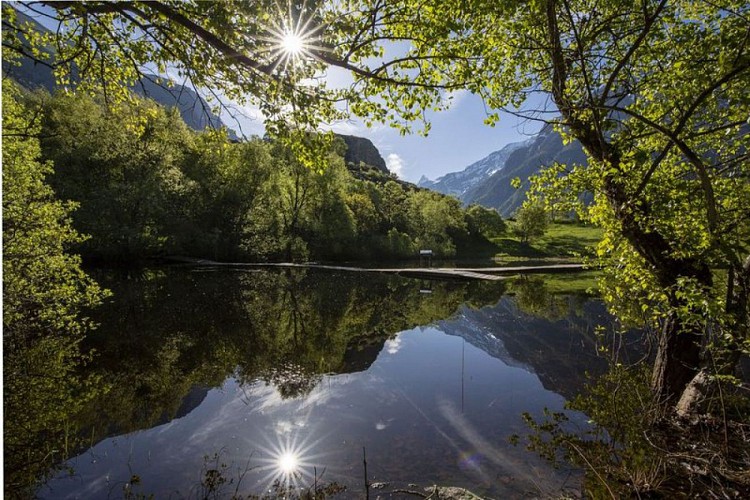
(487, 182)
(458, 183)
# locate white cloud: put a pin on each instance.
(454, 98)
(395, 164)
(345, 127)
(393, 345)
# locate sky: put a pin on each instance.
(457, 139)
(458, 136)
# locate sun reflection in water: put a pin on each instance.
(288, 463)
(291, 462)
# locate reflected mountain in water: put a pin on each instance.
(559, 350)
(192, 355)
(168, 335)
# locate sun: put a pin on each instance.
(292, 43)
(292, 38)
(288, 463)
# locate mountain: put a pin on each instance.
(488, 181)
(195, 111)
(361, 150)
(459, 183)
(544, 150)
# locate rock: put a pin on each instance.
(452, 493)
(361, 150)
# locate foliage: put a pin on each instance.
(630, 450)
(130, 157)
(667, 150)
(485, 221)
(531, 222)
(147, 186)
(615, 453)
(44, 292)
(96, 51)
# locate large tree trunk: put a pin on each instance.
(679, 373)
(725, 361)
(678, 356)
(677, 360)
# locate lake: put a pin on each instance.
(216, 381)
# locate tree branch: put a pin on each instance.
(648, 23)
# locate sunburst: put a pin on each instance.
(289, 461)
(292, 43)
(293, 37)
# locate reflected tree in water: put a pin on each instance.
(171, 334)
(44, 289)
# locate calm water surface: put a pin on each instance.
(272, 375)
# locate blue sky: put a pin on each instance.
(458, 138)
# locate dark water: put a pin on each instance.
(222, 375)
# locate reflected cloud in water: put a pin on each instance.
(392, 346)
(263, 397)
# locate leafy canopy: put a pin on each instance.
(655, 91)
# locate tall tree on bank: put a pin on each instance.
(44, 292)
(655, 91)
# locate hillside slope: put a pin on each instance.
(544, 150)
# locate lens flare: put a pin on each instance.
(292, 38)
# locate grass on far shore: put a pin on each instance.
(562, 242)
(579, 283)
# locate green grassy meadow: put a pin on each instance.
(562, 242)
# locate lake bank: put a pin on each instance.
(460, 273)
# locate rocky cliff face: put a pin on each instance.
(359, 149)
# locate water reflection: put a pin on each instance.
(290, 375)
(288, 461)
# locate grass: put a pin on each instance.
(563, 242)
(581, 283)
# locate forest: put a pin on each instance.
(147, 186)
(655, 92)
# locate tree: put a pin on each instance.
(44, 290)
(484, 221)
(229, 181)
(656, 94)
(531, 221)
(654, 91)
(122, 164)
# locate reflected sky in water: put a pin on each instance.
(418, 418)
(437, 405)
